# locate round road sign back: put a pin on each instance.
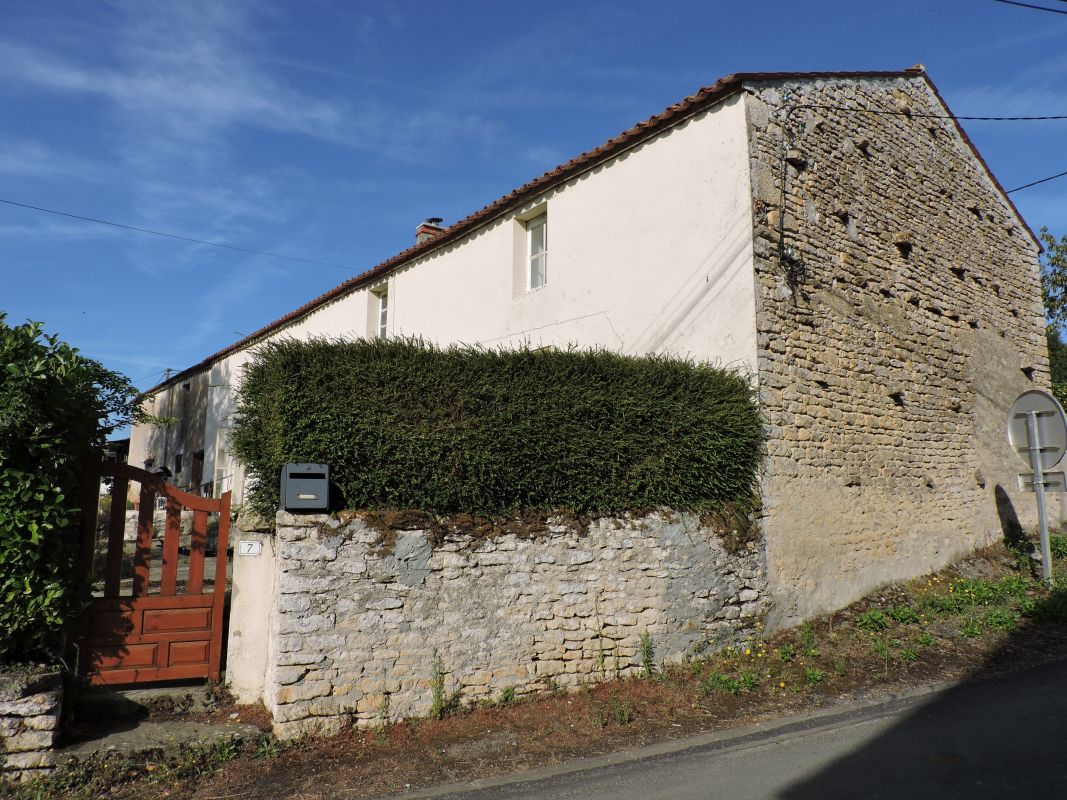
(1048, 419)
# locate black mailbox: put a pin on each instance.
(305, 487)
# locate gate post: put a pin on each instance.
(252, 597)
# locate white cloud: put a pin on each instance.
(194, 71)
(46, 229)
(33, 159)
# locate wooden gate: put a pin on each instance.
(151, 624)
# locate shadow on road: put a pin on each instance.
(981, 739)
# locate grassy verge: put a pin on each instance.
(985, 614)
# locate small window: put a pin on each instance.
(537, 252)
(383, 312)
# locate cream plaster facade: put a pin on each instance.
(651, 252)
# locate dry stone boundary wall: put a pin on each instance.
(360, 615)
(30, 706)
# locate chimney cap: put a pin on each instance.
(434, 220)
(430, 229)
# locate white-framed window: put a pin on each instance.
(382, 328)
(537, 251)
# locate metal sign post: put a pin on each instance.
(1033, 432)
(1037, 430)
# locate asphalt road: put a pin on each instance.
(998, 738)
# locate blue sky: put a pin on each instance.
(329, 130)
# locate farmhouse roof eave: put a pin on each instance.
(700, 100)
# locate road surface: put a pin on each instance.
(999, 738)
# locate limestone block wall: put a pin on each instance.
(358, 613)
(29, 723)
(898, 316)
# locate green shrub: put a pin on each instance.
(648, 654)
(720, 682)
(873, 620)
(945, 604)
(56, 407)
(1001, 618)
(904, 614)
(404, 424)
(978, 592)
(749, 680)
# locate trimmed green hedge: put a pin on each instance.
(403, 424)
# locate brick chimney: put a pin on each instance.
(430, 229)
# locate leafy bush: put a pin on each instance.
(873, 620)
(404, 424)
(904, 614)
(944, 604)
(56, 408)
(720, 682)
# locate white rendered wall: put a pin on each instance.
(648, 253)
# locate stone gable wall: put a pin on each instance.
(359, 614)
(894, 334)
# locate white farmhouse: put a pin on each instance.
(835, 234)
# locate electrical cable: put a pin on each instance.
(1030, 5)
(786, 256)
(1035, 183)
(149, 375)
(175, 236)
(922, 115)
(971, 118)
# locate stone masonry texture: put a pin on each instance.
(29, 724)
(359, 615)
(898, 316)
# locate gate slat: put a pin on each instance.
(197, 550)
(142, 557)
(170, 549)
(115, 528)
(89, 498)
(221, 546)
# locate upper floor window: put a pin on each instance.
(537, 252)
(383, 312)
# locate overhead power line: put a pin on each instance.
(791, 110)
(1035, 183)
(894, 112)
(176, 236)
(1031, 5)
(149, 375)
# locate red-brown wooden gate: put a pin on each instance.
(147, 632)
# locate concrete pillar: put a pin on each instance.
(251, 604)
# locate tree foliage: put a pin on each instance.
(1054, 279)
(1054, 295)
(56, 409)
(406, 425)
